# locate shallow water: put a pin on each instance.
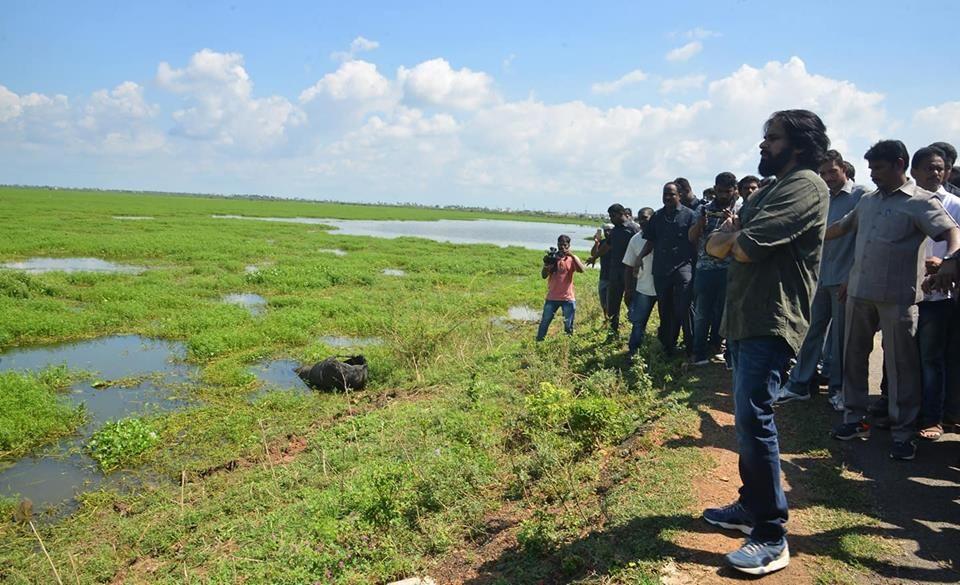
(253, 303)
(40, 265)
(526, 234)
(137, 376)
(523, 313)
(278, 375)
(334, 251)
(346, 341)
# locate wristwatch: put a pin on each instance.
(949, 257)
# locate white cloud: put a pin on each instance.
(435, 83)
(686, 52)
(358, 45)
(679, 84)
(222, 108)
(431, 134)
(699, 34)
(9, 104)
(354, 80)
(607, 87)
(941, 121)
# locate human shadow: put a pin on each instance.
(908, 501)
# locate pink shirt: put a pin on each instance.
(560, 281)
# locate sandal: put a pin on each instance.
(930, 433)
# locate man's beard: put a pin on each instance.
(771, 165)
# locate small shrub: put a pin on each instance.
(538, 534)
(121, 442)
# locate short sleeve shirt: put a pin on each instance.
(713, 221)
(668, 230)
(618, 240)
(782, 233)
(951, 203)
(632, 259)
(560, 281)
(888, 258)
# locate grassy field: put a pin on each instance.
(468, 433)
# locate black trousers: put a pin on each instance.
(673, 303)
(615, 299)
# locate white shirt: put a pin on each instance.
(939, 249)
(632, 258)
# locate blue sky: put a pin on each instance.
(565, 106)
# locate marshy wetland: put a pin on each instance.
(163, 437)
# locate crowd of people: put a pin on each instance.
(785, 280)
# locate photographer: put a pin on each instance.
(710, 285)
(558, 268)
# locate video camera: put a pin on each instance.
(552, 257)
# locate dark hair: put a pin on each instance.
(925, 153)
(832, 156)
(628, 211)
(615, 208)
(746, 181)
(850, 170)
(889, 151)
(646, 212)
(725, 180)
(563, 239)
(948, 150)
(806, 133)
(683, 185)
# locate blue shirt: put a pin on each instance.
(837, 259)
(706, 261)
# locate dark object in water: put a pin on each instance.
(332, 374)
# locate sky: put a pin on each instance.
(562, 106)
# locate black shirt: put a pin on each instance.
(618, 240)
(667, 230)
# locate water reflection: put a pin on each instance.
(40, 265)
(526, 234)
(132, 375)
(253, 303)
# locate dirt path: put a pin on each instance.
(913, 505)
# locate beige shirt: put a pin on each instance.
(890, 228)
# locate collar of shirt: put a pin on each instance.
(847, 188)
(909, 189)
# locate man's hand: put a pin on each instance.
(591, 260)
(945, 278)
(731, 223)
(932, 264)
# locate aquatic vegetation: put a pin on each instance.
(33, 410)
(122, 441)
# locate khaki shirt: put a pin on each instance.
(782, 233)
(888, 257)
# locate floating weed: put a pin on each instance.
(122, 442)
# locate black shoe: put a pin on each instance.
(852, 430)
(878, 408)
(904, 450)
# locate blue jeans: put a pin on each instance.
(550, 309)
(639, 314)
(710, 291)
(933, 330)
(757, 363)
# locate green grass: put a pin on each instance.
(32, 411)
(465, 424)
